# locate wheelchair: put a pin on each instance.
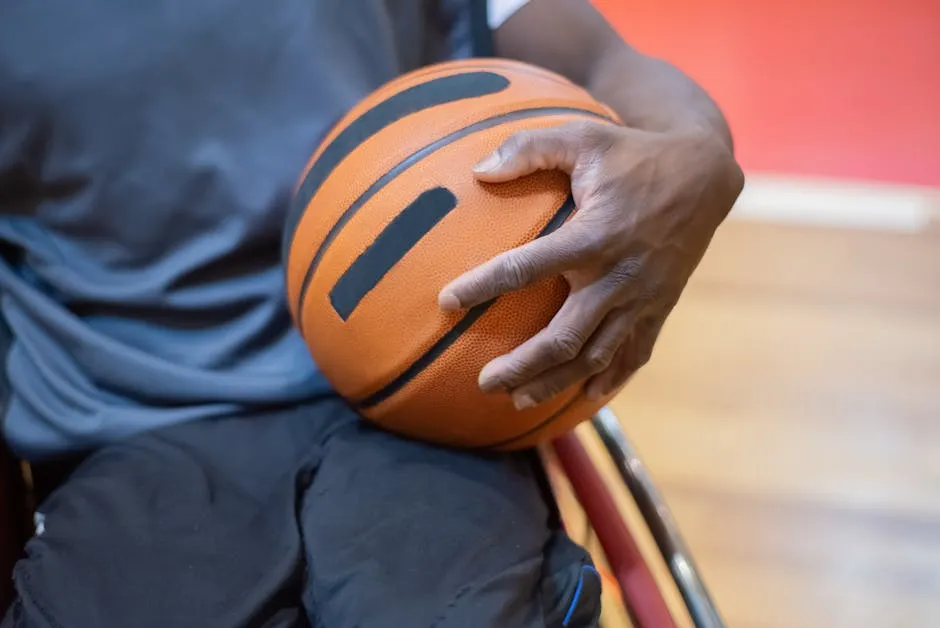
(609, 503)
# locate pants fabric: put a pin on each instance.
(300, 517)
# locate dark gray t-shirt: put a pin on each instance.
(147, 154)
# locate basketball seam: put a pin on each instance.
(532, 430)
(426, 74)
(509, 66)
(485, 64)
(454, 334)
(432, 71)
(399, 106)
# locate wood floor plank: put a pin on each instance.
(791, 416)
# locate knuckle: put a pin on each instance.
(515, 373)
(513, 273)
(547, 390)
(599, 358)
(594, 135)
(554, 147)
(473, 289)
(565, 345)
(644, 353)
(651, 293)
(583, 128)
(595, 245)
(518, 143)
(578, 128)
(585, 238)
(627, 270)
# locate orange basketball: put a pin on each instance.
(388, 212)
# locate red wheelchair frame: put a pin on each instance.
(640, 592)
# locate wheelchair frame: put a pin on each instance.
(640, 592)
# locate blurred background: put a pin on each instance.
(791, 411)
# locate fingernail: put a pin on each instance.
(448, 301)
(490, 385)
(489, 163)
(523, 401)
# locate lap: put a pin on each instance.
(295, 518)
(192, 525)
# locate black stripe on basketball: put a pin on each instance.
(454, 334)
(399, 237)
(411, 160)
(439, 91)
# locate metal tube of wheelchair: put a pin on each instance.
(652, 506)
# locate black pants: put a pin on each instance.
(305, 517)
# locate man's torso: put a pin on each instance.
(147, 154)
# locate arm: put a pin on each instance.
(572, 38)
(650, 195)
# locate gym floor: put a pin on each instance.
(791, 411)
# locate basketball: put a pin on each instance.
(388, 211)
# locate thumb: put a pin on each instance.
(528, 151)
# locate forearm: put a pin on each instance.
(573, 39)
(649, 93)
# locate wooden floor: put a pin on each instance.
(791, 416)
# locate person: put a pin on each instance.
(148, 152)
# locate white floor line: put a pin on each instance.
(837, 203)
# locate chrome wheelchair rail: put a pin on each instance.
(701, 607)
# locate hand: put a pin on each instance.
(648, 205)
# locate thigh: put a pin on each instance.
(193, 525)
(399, 533)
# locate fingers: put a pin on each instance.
(631, 357)
(525, 152)
(560, 342)
(547, 256)
(617, 374)
(596, 357)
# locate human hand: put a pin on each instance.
(648, 205)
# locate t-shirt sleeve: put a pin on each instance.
(498, 11)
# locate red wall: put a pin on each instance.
(846, 88)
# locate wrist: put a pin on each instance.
(724, 172)
(707, 154)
